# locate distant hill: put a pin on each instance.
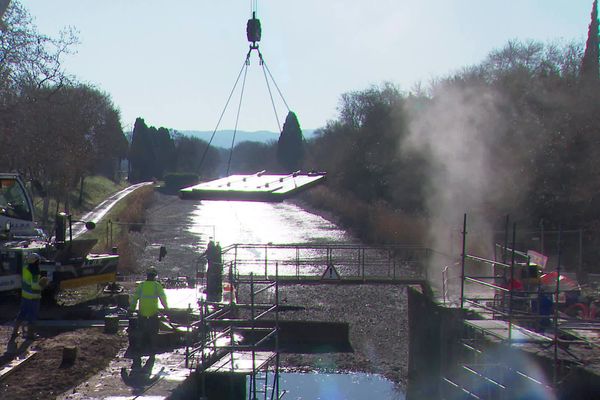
(223, 138)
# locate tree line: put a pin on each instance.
(517, 135)
(155, 152)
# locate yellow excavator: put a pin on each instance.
(66, 262)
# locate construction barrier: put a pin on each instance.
(228, 293)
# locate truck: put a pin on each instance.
(66, 261)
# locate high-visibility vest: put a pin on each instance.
(30, 287)
(148, 293)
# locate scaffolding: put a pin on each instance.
(513, 321)
(233, 342)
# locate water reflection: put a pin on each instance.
(354, 386)
(257, 222)
(234, 222)
(183, 298)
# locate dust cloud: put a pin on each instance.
(455, 132)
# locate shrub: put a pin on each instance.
(127, 260)
(134, 213)
(372, 223)
(176, 181)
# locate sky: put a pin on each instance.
(175, 63)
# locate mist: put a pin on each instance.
(455, 132)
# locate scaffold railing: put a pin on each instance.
(234, 343)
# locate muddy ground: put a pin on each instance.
(45, 376)
(377, 318)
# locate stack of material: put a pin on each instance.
(256, 187)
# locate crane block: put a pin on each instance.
(253, 29)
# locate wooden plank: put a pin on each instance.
(242, 362)
(79, 323)
(499, 329)
(16, 363)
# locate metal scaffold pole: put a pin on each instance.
(462, 264)
(512, 285)
(556, 294)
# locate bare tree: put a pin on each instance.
(28, 61)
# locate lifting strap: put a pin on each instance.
(253, 33)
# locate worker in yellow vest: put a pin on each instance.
(31, 293)
(148, 293)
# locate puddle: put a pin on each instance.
(320, 386)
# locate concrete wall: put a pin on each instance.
(434, 334)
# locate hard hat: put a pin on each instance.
(152, 271)
(32, 258)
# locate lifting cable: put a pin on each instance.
(221, 116)
(253, 33)
(237, 118)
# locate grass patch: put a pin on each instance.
(134, 214)
(95, 190)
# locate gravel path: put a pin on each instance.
(378, 322)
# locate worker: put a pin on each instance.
(214, 272)
(546, 308)
(31, 294)
(148, 293)
(210, 251)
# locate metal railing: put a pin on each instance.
(350, 260)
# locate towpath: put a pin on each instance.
(103, 208)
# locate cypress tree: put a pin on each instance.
(141, 153)
(164, 149)
(590, 68)
(290, 147)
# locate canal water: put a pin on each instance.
(256, 222)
